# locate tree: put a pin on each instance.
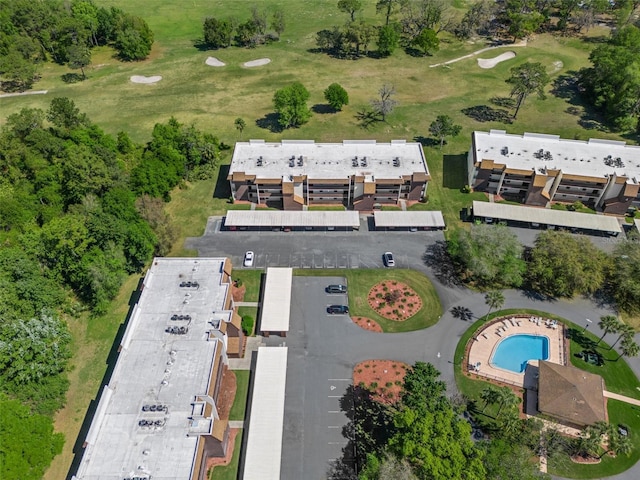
(507, 399)
(385, 105)
(489, 396)
(351, 7)
(134, 39)
(608, 323)
(442, 127)
(336, 96)
(494, 299)
(18, 74)
(240, 124)
(427, 41)
(217, 33)
(507, 461)
(29, 443)
(526, 79)
(291, 105)
(613, 83)
(387, 7)
(388, 39)
(33, 349)
(489, 256)
(562, 265)
(628, 348)
(278, 21)
(79, 58)
(625, 276)
(625, 332)
(64, 114)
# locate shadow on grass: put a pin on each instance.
(366, 118)
(580, 338)
(505, 102)
(566, 86)
(222, 188)
(269, 122)
(323, 108)
(72, 78)
(414, 52)
(485, 113)
(454, 171)
(426, 141)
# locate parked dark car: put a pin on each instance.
(338, 309)
(336, 289)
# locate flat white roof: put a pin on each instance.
(155, 367)
(276, 302)
(328, 160)
(546, 216)
(408, 219)
(595, 157)
(264, 438)
(289, 218)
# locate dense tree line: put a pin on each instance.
(79, 211)
(64, 32)
(559, 264)
(426, 435)
(613, 82)
(223, 33)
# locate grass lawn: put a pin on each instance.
(240, 402)
(618, 378)
(360, 282)
(229, 472)
(334, 208)
(619, 413)
(251, 279)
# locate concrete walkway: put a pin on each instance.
(245, 363)
(622, 398)
(522, 43)
(247, 304)
(236, 423)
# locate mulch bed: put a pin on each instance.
(367, 324)
(227, 394)
(237, 293)
(215, 461)
(382, 377)
(394, 300)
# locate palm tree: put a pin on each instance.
(507, 399)
(495, 299)
(489, 395)
(608, 323)
(625, 331)
(628, 348)
(620, 444)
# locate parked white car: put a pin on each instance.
(248, 259)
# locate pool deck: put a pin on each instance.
(484, 343)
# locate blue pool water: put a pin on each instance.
(514, 352)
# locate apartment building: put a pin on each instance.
(357, 174)
(158, 415)
(537, 169)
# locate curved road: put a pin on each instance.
(319, 353)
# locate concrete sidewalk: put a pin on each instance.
(622, 398)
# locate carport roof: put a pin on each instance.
(408, 219)
(264, 438)
(637, 224)
(288, 218)
(546, 216)
(276, 303)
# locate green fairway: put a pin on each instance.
(360, 282)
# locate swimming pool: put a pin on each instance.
(515, 351)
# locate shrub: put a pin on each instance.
(389, 384)
(238, 283)
(379, 295)
(374, 385)
(247, 324)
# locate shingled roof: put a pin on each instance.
(571, 395)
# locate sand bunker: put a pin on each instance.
(214, 62)
(492, 62)
(143, 79)
(257, 63)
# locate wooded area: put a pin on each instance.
(79, 211)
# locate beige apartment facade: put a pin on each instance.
(537, 169)
(357, 174)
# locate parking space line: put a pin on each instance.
(337, 443)
(339, 379)
(334, 396)
(335, 426)
(334, 411)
